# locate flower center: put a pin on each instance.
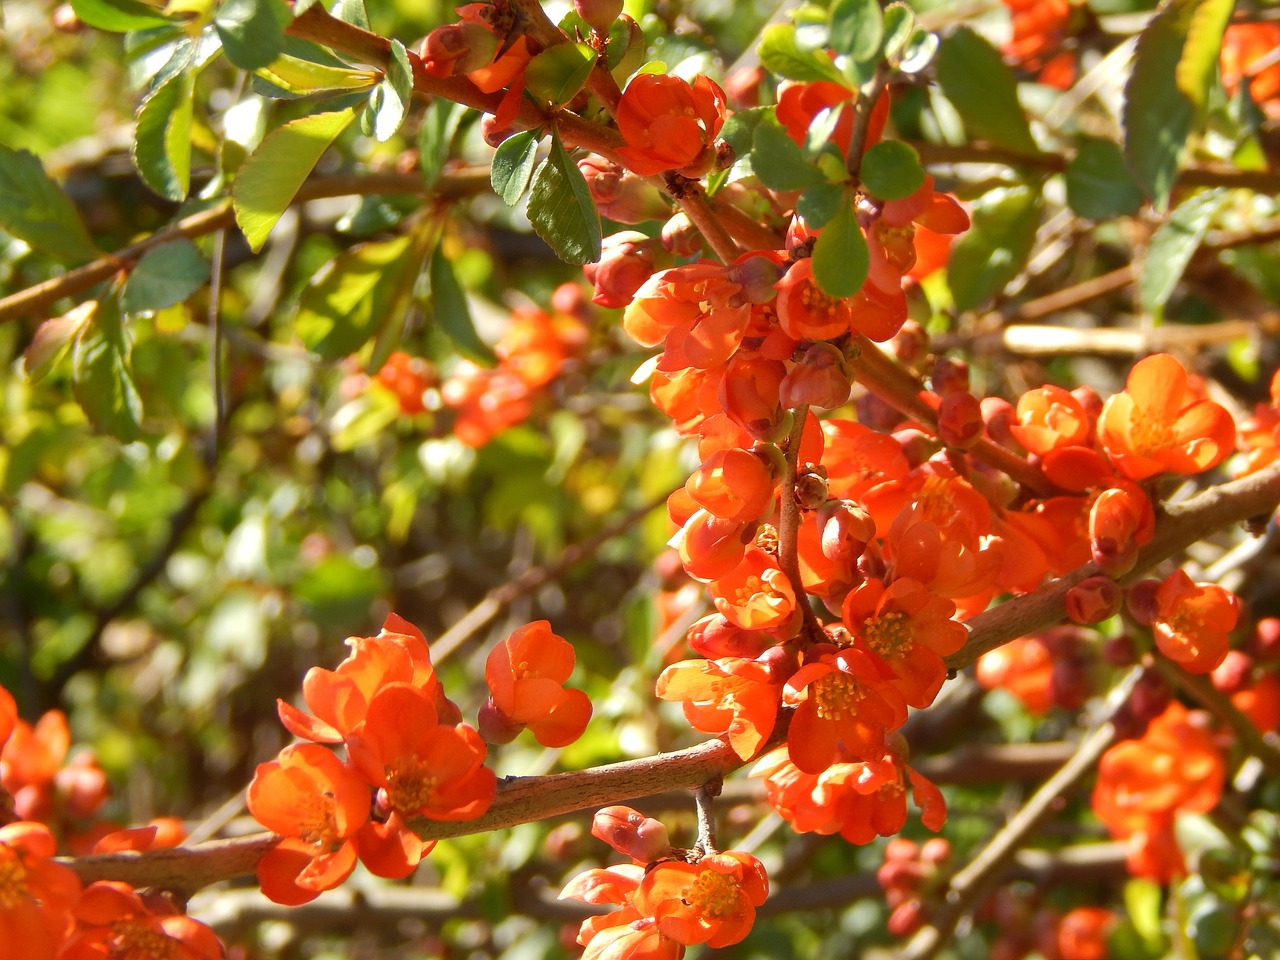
(889, 633)
(837, 695)
(409, 785)
(1148, 435)
(13, 879)
(817, 302)
(935, 500)
(715, 894)
(138, 941)
(318, 823)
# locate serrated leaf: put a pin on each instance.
(389, 100)
(780, 53)
(252, 31)
(299, 77)
(976, 80)
(268, 180)
(166, 275)
(996, 245)
(558, 73)
(162, 141)
(357, 294)
(778, 160)
(840, 255)
(512, 166)
(352, 12)
(1099, 185)
(101, 377)
(891, 170)
(34, 209)
(561, 209)
(819, 204)
(118, 16)
(1172, 247)
(435, 135)
(1198, 64)
(857, 27)
(450, 310)
(1157, 115)
(53, 339)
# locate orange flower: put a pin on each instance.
(1039, 28)
(8, 715)
(1192, 621)
(805, 312)
(1157, 424)
(623, 934)
(114, 921)
(36, 894)
(30, 760)
(1260, 433)
(712, 901)
(316, 803)
(857, 458)
(1243, 46)
(486, 402)
(1024, 667)
(890, 239)
(756, 594)
(670, 124)
(731, 696)
(1048, 418)
(1082, 933)
(734, 484)
(525, 674)
(407, 377)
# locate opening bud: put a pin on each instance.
(631, 833)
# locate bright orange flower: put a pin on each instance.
(805, 312)
(748, 394)
(947, 560)
(891, 237)
(486, 402)
(1024, 667)
(8, 715)
(526, 674)
(115, 922)
(29, 762)
(711, 548)
(1121, 520)
(910, 629)
(1260, 701)
(623, 934)
(1048, 418)
(1260, 433)
(734, 484)
(670, 124)
(857, 458)
(688, 397)
(732, 697)
(1039, 28)
(1157, 424)
(756, 594)
(316, 803)
(712, 901)
(407, 377)
(36, 894)
(800, 103)
(533, 348)
(1243, 46)
(1193, 620)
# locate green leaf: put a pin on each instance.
(119, 16)
(352, 12)
(299, 77)
(857, 27)
(891, 170)
(162, 142)
(1198, 64)
(996, 246)
(1172, 247)
(252, 31)
(778, 160)
(1158, 115)
(166, 275)
(1142, 900)
(435, 136)
(271, 176)
(389, 100)
(819, 204)
(558, 73)
(53, 338)
(356, 294)
(561, 209)
(899, 31)
(512, 166)
(100, 375)
(450, 310)
(1099, 185)
(976, 80)
(840, 256)
(780, 53)
(34, 209)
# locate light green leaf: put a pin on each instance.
(450, 310)
(353, 12)
(891, 170)
(1099, 185)
(35, 210)
(101, 377)
(857, 27)
(561, 209)
(558, 73)
(162, 142)
(778, 160)
(270, 177)
(252, 31)
(1172, 247)
(840, 256)
(899, 31)
(435, 136)
(512, 166)
(780, 53)
(166, 275)
(118, 16)
(996, 246)
(976, 80)
(389, 100)
(297, 76)
(1198, 64)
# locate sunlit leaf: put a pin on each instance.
(166, 275)
(252, 31)
(976, 80)
(1172, 247)
(34, 209)
(840, 257)
(512, 167)
(994, 249)
(162, 144)
(561, 209)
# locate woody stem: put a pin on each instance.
(789, 525)
(703, 798)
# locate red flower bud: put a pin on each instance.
(960, 422)
(631, 833)
(950, 376)
(620, 194)
(821, 378)
(626, 262)
(680, 237)
(1093, 600)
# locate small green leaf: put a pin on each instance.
(899, 31)
(919, 52)
(778, 160)
(857, 27)
(101, 377)
(450, 310)
(162, 142)
(53, 338)
(1172, 247)
(840, 256)
(561, 209)
(512, 166)
(300, 77)
(558, 73)
(1142, 900)
(166, 275)
(352, 12)
(270, 177)
(976, 80)
(435, 136)
(780, 53)
(891, 170)
(819, 204)
(996, 246)
(1099, 185)
(1198, 64)
(34, 209)
(119, 16)
(389, 100)
(252, 31)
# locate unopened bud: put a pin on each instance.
(626, 261)
(619, 194)
(811, 486)
(1141, 598)
(910, 343)
(599, 14)
(631, 833)
(1234, 672)
(1093, 600)
(680, 237)
(950, 376)
(757, 275)
(846, 528)
(960, 422)
(998, 414)
(495, 726)
(1265, 641)
(821, 378)
(714, 637)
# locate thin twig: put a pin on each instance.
(789, 526)
(703, 799)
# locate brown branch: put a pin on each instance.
(789, 526)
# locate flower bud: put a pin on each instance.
(910, 343)
(1093, 600)
(620, 194)
(1265, 641)
(846, 528)
(821, 378)
(998, 414)
(1234, 672)
(757, 275)
(626, 261)
(82, 785)
(714, 637)
(960, 422)
(743, 86)
(599, 14)
(950, 376)
(680, 237)
(494, 725)
(631, 833)
(457, 48)
(1141, 598)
